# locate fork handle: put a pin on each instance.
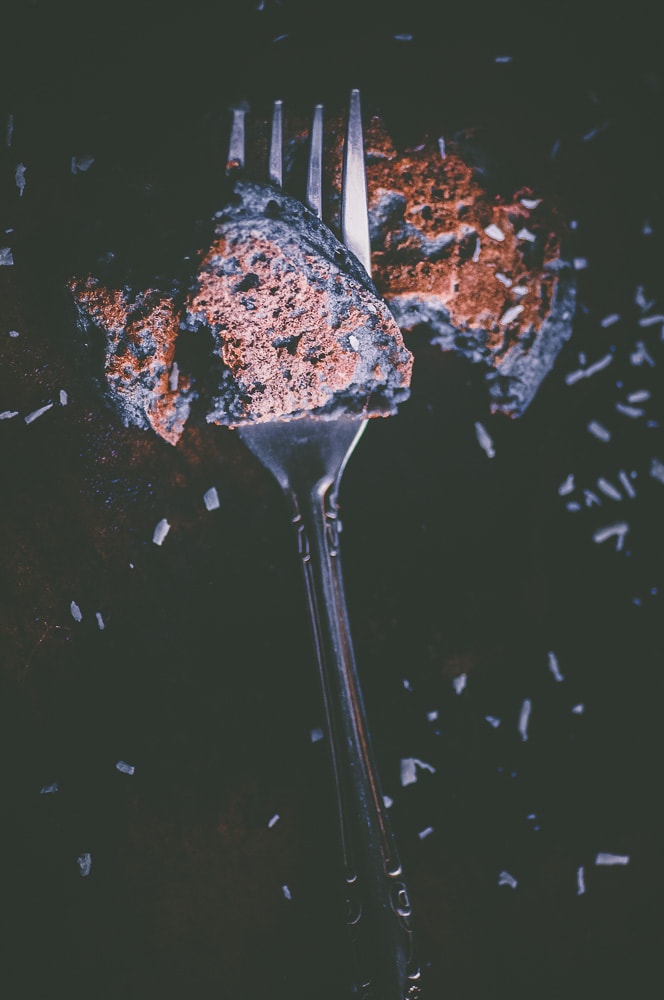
(378, 907)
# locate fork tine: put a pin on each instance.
(236, 144)
(315, 168)
(276, 145)
(354, 212)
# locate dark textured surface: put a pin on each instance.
(202, 678)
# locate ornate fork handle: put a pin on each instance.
(378, 907)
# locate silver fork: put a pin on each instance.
(307, 458)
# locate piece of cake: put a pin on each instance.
(289, 317)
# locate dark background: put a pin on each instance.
(203, 676)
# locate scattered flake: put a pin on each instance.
(640, 396)
(477, 251)
(595, 131)
(37, 413)
(64, 398)
(84, 863)
(161, 530)
(407, 685)
(441, 147)
(504, 279)
(579, 709)
(211, 499)
(280, 38)
(510, 315)
(580, 263)
(271, 822)
(14, 334)
(502, 59)
(76, 612)
(8, 414)
(580, 373)
(174, 377)
(611, 859)
(609, 320)
(402, 38)
(520, 290)
(100, 621)
(432, 716)
(598, 431)
(79, 164)
(484, 440)
(19, 178)
(630, 411)
(651, 320)
(619, 529)
(286, 891)
(49, 789)
(657, 469)
(354, 342)
(591, 499)
(608, 489)
(573, 224)
(573, 506)
(641, 301)
(317, 734)
(495, 232)
(409, 766)
(566, 488)
(6, 257)
(530, 203)
(426, 832)
(640, 356)
(554, 666)
(9, 131)
(525, 234)
(626, 484)
(506, 879)
(580, 881)
(492, 720)
(646, 229)
(554, 149)
(388, 802)
(460, 683)
(123, 766)
(524, 718)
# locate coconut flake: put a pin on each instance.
(604, 858)
(578, 709)
(651, 320)
(9, 131)
(37, 413)
(640, 299)
(64, 398)
(477, 251)
(524, 718)
(609, 320)
(580, 881)
(174, 377)
(316, 734)
(79, 164)
(14, 334)
(599, 431)
(274, 820)
(8, 414)
(441, 147)
(354, 342)
(525, 234)
(530, 203)
(6, 257)
(460, 683)
(619, 529)
(554, 666)
(640, 356)
(630, 411)
(84, 863)
(510, 315)
(402, 38)
(124, 767)
(211, 499)
(484, 439)
(608, 489)
(506, 879)
(49, 789)
(597, 366)
(432, 716)
(504, 280)
(286, 891)
(573, 506)
(580, 263)
(388, 802)
(646, 229)
(161, 530)
(626, 484)
(591, 499)
(492, 720)
(502, 59)
(100, 621)
(19, 178)
(409, 766)
(76, 612)
(657, 469)
(567, 487)
(426, 832)
(495, 232)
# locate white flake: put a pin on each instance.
(619, 529)
(388, 802)
(579, 709)
(640, 396)
(597, 366)
(646, 229)
(567, 487)
(409, 766)
(280, 38)
(641, 301)
(492, 720)
(510, 315)
(407, 685)
(9, 132)
(354, 342)
(174, 377)
(426, 832)
(630, 411)
(211, 499)
(100, 621)
(477, 250)
(484, 440)
(271, 822)
(504, 279)
(8, 414)
(14, 334)
(580, 263)
(502, 59)
(524, 718)
(657, 469)
(19, 178)
(591, 499)
(49, 789)
(626, 484)
(640, 356)
(317, 734)
(124, 767)
(79, 164)
(600, 432)
(520, 291)
(432, 716)
(286, 891)
(37, 413)
(460, 683)
(594, 131)
(76, 612)
(530, 203)
(506, 879)
(573, 506)
(651, 320)
(6, 257)
(580, 881)
(441, 147)
(611, 859)
(608, 489)
(64, 398)
(525, 234)
(161, 530)
(495, 232)
(610, 320)
(84, 863)
(402, 38)
(554, 666)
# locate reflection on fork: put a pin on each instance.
(307, 458)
